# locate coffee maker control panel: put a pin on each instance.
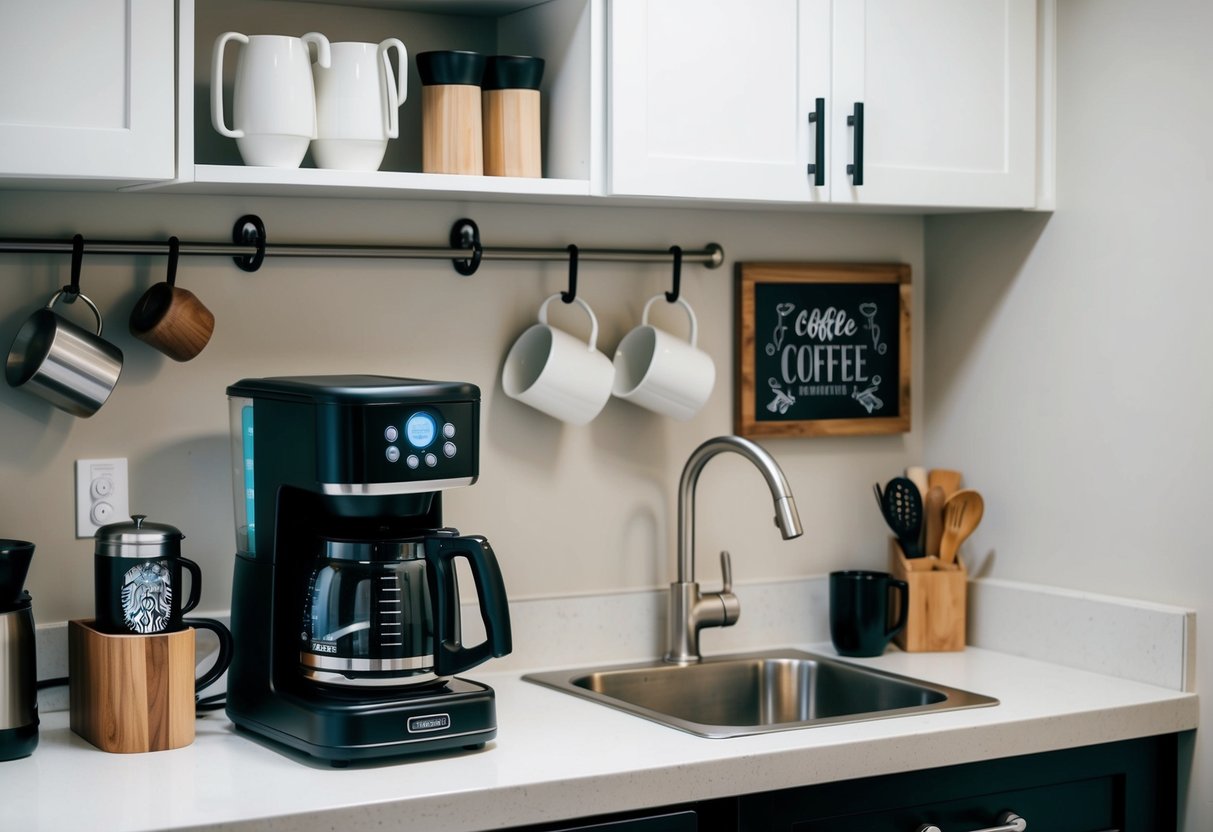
(422, 442)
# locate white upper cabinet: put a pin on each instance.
(88, 91)
(948, 89)
(710, 98)
(719, 99)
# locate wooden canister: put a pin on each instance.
(451, 133)
(512, 143)
(131, 693)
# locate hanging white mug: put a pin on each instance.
(558, 374)
(358, 100)
(665, 374)
(273, 98)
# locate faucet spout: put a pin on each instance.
(689, 610)
(786, 516)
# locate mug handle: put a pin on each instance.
(217, 84)
(903, 589)
(644, 318)
(225, 649)
(87, 302)
(397, 92)
(195, 584)
(543, 318)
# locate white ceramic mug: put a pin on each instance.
(358, 100)
(558, 374)
(273, 98)
(663, 373)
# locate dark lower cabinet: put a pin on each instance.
(1126, 786)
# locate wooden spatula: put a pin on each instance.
(949, 481)
(932, 518)
(961, 514)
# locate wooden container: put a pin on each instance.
(512, 145)
(131, 693)
(936, 619)
(451, 132)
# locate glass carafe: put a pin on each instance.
(386, 612)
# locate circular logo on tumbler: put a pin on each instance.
(147, 597)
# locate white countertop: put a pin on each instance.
(558, 756)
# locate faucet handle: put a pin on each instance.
(726, 571)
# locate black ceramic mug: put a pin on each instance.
(859, 611)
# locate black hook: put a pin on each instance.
(672, 297)
(571, 294)
(466, 234)
(249, 230)
(72, 290)
(174, 246)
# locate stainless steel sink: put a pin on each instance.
(754, 693)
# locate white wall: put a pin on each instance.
(569, 510)
(1068, 357)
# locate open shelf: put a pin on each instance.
(567, 33)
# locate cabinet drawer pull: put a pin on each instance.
(1007, 821)
(856, 169)
(818, 118)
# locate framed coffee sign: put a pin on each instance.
(822, 349)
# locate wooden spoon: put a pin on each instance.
(961, 514)
(949, 481)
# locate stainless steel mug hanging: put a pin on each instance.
(70, 367)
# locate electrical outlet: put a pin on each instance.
(102, 494)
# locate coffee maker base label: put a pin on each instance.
(430, 722)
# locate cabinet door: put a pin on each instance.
(710, 98)
(88, 89)
(948, 89)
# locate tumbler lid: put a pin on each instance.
(512, 72)
(138, 538)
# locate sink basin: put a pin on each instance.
(731, 696)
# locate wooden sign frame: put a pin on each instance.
(805, 277)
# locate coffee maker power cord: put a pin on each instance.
(207, 703)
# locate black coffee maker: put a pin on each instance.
(345, 607)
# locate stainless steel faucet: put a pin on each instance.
(690, 611)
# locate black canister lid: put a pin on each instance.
(138, 539)
(512, 72)
(450, 67)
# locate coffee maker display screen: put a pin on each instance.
(420, 430)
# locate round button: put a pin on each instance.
(448, 430)
(391, 434)
(412, 461)
(448, 448)
(431, 460)
(392, 453)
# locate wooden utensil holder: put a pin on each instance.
(131, 693)
(936, 618)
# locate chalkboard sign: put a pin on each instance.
(822, 350)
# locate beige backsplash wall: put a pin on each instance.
(569, 510)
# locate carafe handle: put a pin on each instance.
(217, 84)
(450, 656)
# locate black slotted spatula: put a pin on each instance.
(902, 508)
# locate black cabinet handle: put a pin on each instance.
(818, 117)
(856, 121)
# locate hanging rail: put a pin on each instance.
(249, 248)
